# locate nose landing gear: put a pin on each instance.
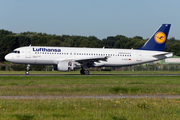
(27, 71)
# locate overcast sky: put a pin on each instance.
(100, 18)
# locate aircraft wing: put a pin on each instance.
(91, 59)
(82, 60)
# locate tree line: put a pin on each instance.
(9, 41)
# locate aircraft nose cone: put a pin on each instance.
(7, 57)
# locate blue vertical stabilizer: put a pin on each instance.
(158, 41)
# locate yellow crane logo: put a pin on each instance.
(160, 37)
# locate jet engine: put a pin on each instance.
(66, 66)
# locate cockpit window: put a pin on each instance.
(17, 52)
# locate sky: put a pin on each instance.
(100, 18)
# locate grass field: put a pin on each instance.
(89, 109)
(89, 85)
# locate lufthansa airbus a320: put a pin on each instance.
(70, 58)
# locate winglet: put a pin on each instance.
(158, 40)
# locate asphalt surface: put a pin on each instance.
(90, 74)
(90, 96)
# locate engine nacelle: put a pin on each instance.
(65, 66)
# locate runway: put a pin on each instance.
(91, 96)
(90, 74)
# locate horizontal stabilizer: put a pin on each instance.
(163, 54)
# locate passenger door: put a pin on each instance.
(139, 56)
(28, 52)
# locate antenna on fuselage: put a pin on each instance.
(30, 45)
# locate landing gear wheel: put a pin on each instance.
(86, 72)
(27, 72)
(82, 72)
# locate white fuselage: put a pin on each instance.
(115, 57)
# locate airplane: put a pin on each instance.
(70, 58)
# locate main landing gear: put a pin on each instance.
(27, 71)
(84, 71)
